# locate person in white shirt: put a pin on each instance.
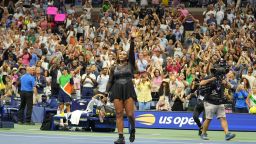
(32, 24)
(43, 38)
(109, 62)
(163, 40)
(210, 10)
(87, 9)
(77, 85)
(18, 14)
(219, 16)
(88, 81)
(157, 59)
(141, 63)
(68, 21)
(225, 25)
(178, 49)
(102, 80)
(71, 33)
(230, 16)
(126, 44)
(104, 56)
(71, 10)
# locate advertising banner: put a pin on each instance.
(184, 120)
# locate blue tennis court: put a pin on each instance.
(32, 135)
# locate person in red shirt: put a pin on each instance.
(173, 66)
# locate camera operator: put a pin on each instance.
(199, 93)
(214, 99)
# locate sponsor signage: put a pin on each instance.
(184, 120)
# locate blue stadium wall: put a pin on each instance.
(184, 120)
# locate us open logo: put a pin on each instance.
(146, 119)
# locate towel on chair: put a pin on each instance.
(75, 117)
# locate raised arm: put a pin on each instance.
(131, 53)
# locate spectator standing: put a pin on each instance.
(144, 93)
(40, 85)
(141, 63)
(28, 88)
(156, 81)
(26, 56)
(66, 87)
(55, 74)
(164, 101)
(102, 81)
(240, 100)
(34, 58)
(219, 16)
(178, 100)
(77, 85)
(88, 82)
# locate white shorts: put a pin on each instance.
(211, 110)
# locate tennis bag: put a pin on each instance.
(47, 122)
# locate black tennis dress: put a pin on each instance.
(120, 85)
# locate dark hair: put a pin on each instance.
(155, 72)
(247, 85)
(65, 68)
(117, 57)
(162, 87)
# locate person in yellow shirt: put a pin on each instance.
(144, 93)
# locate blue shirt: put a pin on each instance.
(27, 82)
(33, 60)
(240, 98)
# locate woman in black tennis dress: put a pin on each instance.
(121, 91)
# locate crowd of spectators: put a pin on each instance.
(173, 50)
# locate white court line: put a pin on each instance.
(104, 139)
(57, 134)
(49, 137)
(87, 138)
